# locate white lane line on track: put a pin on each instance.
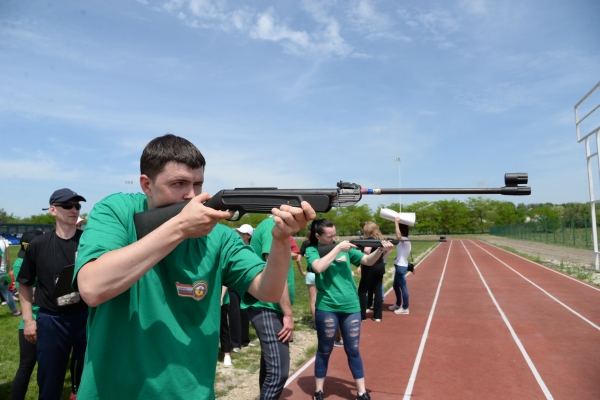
(297, 373)
(413, 374)
(539, 287)
(534, 370)
(548, 268)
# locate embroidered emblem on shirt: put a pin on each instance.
(197, 291)
(341, 259)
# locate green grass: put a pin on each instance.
(9, 356)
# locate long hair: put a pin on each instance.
(372, 230)
(403, 230)
(318, 226)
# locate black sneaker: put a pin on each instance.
(318, 395)
(364, 396)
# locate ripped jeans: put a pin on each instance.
(327, 323)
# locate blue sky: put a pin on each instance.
(297, 94)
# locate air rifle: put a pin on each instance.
(263, 200)
(374, 243)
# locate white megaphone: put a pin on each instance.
(405, 218)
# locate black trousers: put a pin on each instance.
(224, 334)
(57, 335)
(239, 323)
(27, 362)
(370, 283)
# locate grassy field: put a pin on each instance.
(249, 359)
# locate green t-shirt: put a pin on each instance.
(34, 307)
(159, 339)
(336, 290)
(261, 241)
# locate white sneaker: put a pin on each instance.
(369, 310)
(376, 320)
(227, 361)
(401, 311)
(394, 307)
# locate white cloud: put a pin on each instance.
(364, 16)
(436, 25)
(475, 7)
(324, 39)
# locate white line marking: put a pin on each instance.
(297, 373)
(413, 374)
(549, 295)
(536, 374)
(548, 268)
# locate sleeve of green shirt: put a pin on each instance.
(109, 227)
(355, 257)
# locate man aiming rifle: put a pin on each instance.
(153, 327)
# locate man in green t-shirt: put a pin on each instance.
(153, 327)
(273, 322)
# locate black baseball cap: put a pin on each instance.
(62, 195)
(26, 239)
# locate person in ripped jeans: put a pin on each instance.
(337, 302)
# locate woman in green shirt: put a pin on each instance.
(337, 301)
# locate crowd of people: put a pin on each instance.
(154, 310)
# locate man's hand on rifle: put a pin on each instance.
(289, 220)
(196, 220)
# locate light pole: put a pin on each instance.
(397, 160)
(129, 184)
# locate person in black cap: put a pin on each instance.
(61, 322)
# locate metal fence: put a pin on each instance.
(573, 232)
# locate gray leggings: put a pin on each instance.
(274, 355)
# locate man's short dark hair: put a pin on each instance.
(164, 149)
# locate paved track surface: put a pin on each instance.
(483, 324)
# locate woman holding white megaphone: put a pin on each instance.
(401, 264)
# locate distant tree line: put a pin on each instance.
(474, 215)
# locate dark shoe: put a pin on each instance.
(318, 395)
(17, 313)
(365, 396)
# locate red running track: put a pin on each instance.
(483, 324)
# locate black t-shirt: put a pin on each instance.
(45, 258)
(379, 267)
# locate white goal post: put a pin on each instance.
(589, 155)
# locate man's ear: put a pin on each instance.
(145, 183)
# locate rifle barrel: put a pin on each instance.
(514, 191)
